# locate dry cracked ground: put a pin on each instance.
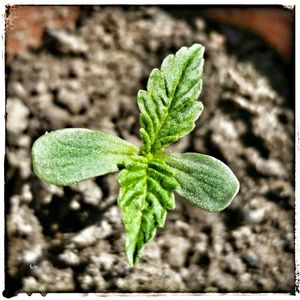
(71, 239)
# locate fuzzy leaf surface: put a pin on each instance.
(169, 108)
(67, 156)
(204, 180)
(146, 193)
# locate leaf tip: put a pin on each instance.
(197, 47)
(132, 254)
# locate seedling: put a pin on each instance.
(149, 174)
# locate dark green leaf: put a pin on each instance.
(205, 181)
(169, 108)
(67, 156)
(145, 195)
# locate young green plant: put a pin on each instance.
(149, 174)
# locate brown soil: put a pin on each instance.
(71, 239)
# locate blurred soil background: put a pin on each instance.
(81, 66)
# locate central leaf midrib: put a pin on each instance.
(166, 112)
(143, 209)
(135, 254)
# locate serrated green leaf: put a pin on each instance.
(204, 180)
(169, 108)
(145, 195)
(67, 156)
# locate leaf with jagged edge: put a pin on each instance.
(169, 108)
(146, 192)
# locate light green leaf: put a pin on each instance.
(67, 156)
(204, 180)
(169, 108)
(145, 195)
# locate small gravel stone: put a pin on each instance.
(17, 116)
(69, 257)
(251, 260)
(91, 234)
(235, 265)
(92, 193)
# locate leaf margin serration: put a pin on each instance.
(153, 190)
(160, 105)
